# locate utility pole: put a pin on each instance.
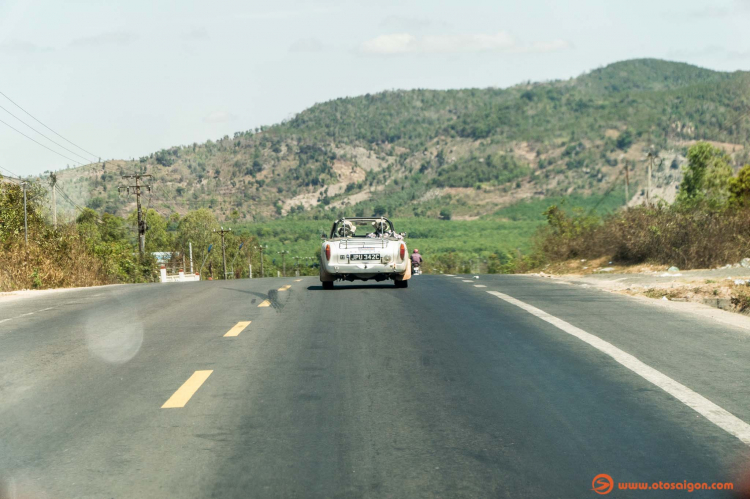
(25, 222)
(651, 156)
(234, 259)
(283, 261)
(190, 245)
(141, 221)
(260, 248)
(223, 249)
(627, 183)
(53, 181)
(648, 188)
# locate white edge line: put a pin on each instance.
(717, 415)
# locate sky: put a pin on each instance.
(123, 79)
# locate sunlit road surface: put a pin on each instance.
(503, 386)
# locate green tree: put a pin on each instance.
(446, 214)
(625, 140)
(109, 239)
(197, 228)
(95, 203)
(739, 188)
(157, 237)
(707, 176)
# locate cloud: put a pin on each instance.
(712, 11)
(404, 23)
(709, 52)
(306, 45)
(550, 46)
(282, 15)
(113, 38)
(196, 35)
(502, 41)
(22, 48)
(219, 117)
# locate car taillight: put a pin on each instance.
(328, 252)
(402, 251)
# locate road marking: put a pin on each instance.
(16, 317)
(284, 288)
(24, 315)
(187, 390)
(467, 280)
(480, 286)
(717, 415)
(450, 275)
(264, 303)
(237, 329)
(297, 280)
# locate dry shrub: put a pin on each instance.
(568, 236)
(58, 260)
(53, 257)
(688, 238)
(693, 238)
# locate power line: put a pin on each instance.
(148, 206)
(59, 154)
(40, 133)
(48, 128)
(606, 193)
(67, 197)
(735, 122)
(14, 174)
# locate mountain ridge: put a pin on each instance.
(414, 152)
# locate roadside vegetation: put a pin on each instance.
(86, 252)
(101, 248)
(94, 249)
(707, 226)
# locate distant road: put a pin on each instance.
(503, 386)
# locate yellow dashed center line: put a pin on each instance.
(237, 329)
(284, 288)
(265, 303)
(187, 390)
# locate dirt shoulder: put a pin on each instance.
(7, 296)
(726, 288)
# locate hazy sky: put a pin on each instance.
(126, 78)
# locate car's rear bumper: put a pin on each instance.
(365, 271)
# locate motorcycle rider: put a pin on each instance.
(416, 259)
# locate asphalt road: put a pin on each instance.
(439, 390)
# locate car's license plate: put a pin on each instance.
(364, 256)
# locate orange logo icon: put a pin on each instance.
(602, 484)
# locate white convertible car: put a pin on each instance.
(363, 249)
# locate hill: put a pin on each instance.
(467, 152)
